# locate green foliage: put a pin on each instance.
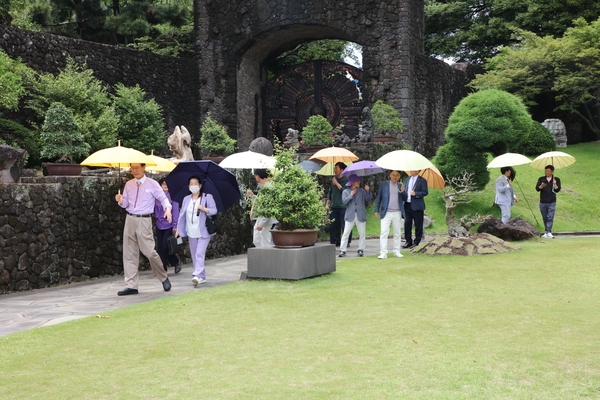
(215, 139)
(490, 120)
(13, 77)
(294, 197)
(386, 118)
(317, 132)
(565, 69)
(85, 96)
(19, 137)
(61, 139)
(472, 30)
(171, 41)
(538, 141)
(326, 49)
(141, 124)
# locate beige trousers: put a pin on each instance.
(138, 237)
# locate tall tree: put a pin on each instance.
(474, 30)
(566, 69)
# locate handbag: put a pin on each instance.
(172, 244)
(212, 223)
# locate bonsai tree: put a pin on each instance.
(215, 139)
(316, 133)
(293, 197)
(61, 139)
(386, 118)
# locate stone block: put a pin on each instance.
(291, 264)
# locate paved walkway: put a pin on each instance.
(43, 307)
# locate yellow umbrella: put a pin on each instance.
(327, 169)
(434, 177)
(117, 157)
(556, 158)
(508, 160)
(334, 154)
(404, 160)
(162, 164)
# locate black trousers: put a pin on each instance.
(162, 248)
(410, 216)
(337, 226)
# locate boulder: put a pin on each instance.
(262, 145)
(515, 229)
(11, 164)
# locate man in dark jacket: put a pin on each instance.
(548, 185)
(413, 192)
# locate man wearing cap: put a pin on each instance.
(355, 199)
(413, 192)
(389, 207)
(138, 199)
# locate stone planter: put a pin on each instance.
(291, 264)
(61, 169)
(294, 239)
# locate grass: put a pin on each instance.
(521, 325)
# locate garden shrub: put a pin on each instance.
(538, 141)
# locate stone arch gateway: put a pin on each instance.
(235, 38)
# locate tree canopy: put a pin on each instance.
(565, 68)
(474, 30)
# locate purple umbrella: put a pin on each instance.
(217, 181)
(363, 168)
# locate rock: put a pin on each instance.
(11, 164)
(262, 145)
(558, 129)
(515, 229)
(476, 244)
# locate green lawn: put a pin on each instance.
(522, 325)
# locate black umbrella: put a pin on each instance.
(217, 181)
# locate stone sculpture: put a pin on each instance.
(291, 139)
(180, 143)
(365, 131)
(11, 164)
(558, 129)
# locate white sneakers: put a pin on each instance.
(382, 256)
(548, 235)
(398, 254)
(197, 281)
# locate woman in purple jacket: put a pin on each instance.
(192, 223)
(164, 229)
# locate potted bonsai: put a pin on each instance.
(62, 141)
(386, 120)
(294, 198)
(215, 140)
(317, 133)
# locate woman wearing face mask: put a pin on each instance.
(192, 223)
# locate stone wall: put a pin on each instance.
(171, 81)
(58, 230)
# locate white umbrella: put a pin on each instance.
(248, 160)
(404, 160)
(556, 158)
(508, 160)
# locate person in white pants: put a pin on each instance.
(389, 207)
(261, 234)
(355, 199)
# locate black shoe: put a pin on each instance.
(360, 253)
(412, 246)
(407, 245)
(127, 291)
(166, 285)
(178, 268)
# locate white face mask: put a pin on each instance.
(194, 189)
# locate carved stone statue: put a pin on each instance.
(558, 129)
(11, 164)
(180, 143)
(291, 139)
(365, 131)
